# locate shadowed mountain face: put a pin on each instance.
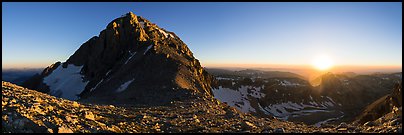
(132, 61)
(387, 106)
(355, 93)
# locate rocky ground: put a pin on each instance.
(29, 111)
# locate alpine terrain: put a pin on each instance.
(338, 97)
(135, 77)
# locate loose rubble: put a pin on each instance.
(29, 111)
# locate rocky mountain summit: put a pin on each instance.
(132, 61)
(29, 111)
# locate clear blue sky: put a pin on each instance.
(38, 34)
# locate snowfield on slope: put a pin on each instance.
(240, 99)
(66, 82)
(234, 98)
(124, 86)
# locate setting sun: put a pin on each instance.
(322, 62)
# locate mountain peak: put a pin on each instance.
(130, 13)
(131, 61)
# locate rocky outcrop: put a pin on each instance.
(132, 61)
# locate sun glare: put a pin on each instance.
(322, 62)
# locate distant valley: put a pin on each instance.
(18, 76)
(338, 98)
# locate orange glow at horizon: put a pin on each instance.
(334, 68)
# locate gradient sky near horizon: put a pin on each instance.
(363, 34)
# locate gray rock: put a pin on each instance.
(19, 123)
(279, 130)
(395, 122)
(267, 130)
(370, 124)
(342, 125)
(247, 125)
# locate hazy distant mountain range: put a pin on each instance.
(18, 76)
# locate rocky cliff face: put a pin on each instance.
(132, 61)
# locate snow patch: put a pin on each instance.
(328, 103)
(313, 103)
(263, 110)
(148, 48)
(131, 55)
(280, 110)
(345, 82)
(96, 85)
(108, 73)
(141, 24)
(330, 99)
(66, 82)
(255, 91)
(237, 99)
(165, 33)
(124, 85)
(222, 78)
(318, 124)
(287, 83)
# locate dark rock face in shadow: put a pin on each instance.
(382, 106)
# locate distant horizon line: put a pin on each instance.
(254, 66)
(296, 66)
